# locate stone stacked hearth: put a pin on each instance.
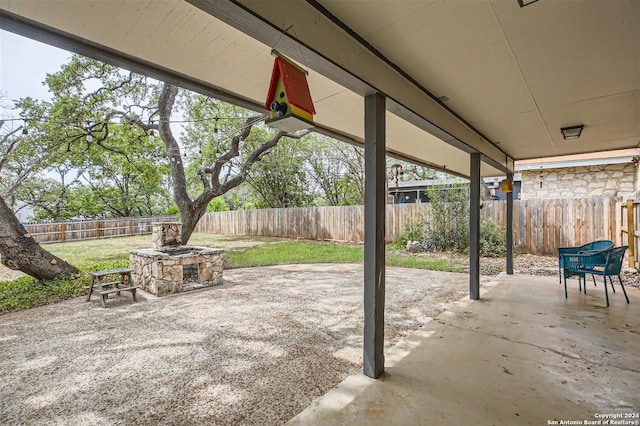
(169, 267)
(166, 234)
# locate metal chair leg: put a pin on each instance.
(623, 290)
(579, 283)
(606, 293)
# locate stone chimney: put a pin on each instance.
(166, 234)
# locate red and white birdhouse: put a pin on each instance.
(289, 99)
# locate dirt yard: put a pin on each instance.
(256, 350)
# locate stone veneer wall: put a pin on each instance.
(616, 180)
(159, 273)
(166, 234)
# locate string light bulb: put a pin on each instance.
(151, 135)
(89, 135)
(215, 125)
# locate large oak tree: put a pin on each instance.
(91, 99)
(18, 250)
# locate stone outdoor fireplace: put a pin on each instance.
(169, 267)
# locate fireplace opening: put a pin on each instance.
(190, 273)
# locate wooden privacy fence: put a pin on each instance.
(344, 223)
(540, 226)
(55, 232)
(629, 218)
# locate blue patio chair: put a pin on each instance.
(593, 246)
(605, 263)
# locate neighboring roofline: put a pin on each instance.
(516, 178)
(418, 184)
(581, 160)
(426, 182)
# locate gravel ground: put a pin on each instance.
(256, 350)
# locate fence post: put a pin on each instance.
(630, 233)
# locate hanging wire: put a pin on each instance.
(44, 121)
(304, 59)
(281, 34)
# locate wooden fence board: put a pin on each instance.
(540, 226)
(53, 232)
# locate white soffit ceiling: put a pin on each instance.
(518, 74)
(515, 74)
(178, 37)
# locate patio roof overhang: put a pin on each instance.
(466, 87)
(458, 77)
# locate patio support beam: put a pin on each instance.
(510, 228)
(474, 227)
(375, 195)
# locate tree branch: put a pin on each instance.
(253, 157)
(11, 146)
(165, 105)
(233, 152)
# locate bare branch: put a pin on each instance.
(233, 152)
(11, 146)
(253, 158)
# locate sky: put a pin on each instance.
(24, 64)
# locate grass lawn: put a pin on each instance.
(82, 253)
(242, 252)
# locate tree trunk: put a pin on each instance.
(192, 210)
(190, 220)
(21, 252)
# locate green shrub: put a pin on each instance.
(448, 226)
(218, 204)
(249, 205)
(413, 230)
(493, 241)
(172, 210)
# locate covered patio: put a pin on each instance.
(523, 355)
(463, 87)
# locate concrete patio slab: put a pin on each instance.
(522, 355)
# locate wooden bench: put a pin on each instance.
(99, 279)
